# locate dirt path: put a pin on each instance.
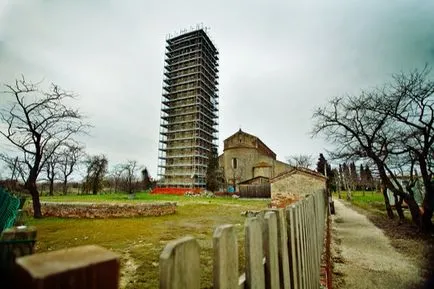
(364, 257)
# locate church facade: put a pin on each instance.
(248, 160)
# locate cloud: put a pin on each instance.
(278, 61)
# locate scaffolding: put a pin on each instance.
(189, 110)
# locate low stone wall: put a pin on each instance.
(106, 210)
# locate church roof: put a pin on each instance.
(240, 132)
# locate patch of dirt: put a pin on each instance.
(367, 257)
(128, 270)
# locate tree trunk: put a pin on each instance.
(31, 187)
(414, 210)
(338, 187)
(387, 203)
(349, 198)
(428, 200)
(426, 219)
(428, 204)
(51, 188)
(65, 186)
(412, 205)
(398, 207)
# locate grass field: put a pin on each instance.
(369, 200)
(139, 241)
(139, 197)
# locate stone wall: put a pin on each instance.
(105, 210)
(293, 187)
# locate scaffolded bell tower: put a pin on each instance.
(189, 110)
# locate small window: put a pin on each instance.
(234, 163)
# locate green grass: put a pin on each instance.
(369, 200)
(143, 197)
(139, 241)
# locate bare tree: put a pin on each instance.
(410, 104)
(36, 123)
(301, 161)
(130, 170)
(393, 127)
(96, 170)
(69, 157)
(116, 176)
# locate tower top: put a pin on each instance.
(198, 26)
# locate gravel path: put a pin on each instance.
(364, 257)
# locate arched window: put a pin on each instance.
(234, 163)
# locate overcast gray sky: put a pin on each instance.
(278, 61)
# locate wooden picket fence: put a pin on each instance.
(283, 249)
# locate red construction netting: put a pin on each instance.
(176, 191)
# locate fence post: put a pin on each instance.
(282, 235)
(255, 278)
(82, 267)
(225, 271)
(180, 265)
(271, 251)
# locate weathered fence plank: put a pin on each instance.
(308, 242)
(271, 251)
(302, 244)
(225, 257)
(306, 246)
(292, 246)
(310, 234)
(298, 244)
(255, 278)
(85, 267)
(282, 235)
(179, 265)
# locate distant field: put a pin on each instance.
(140, 241)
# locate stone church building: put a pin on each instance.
(247, 160)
